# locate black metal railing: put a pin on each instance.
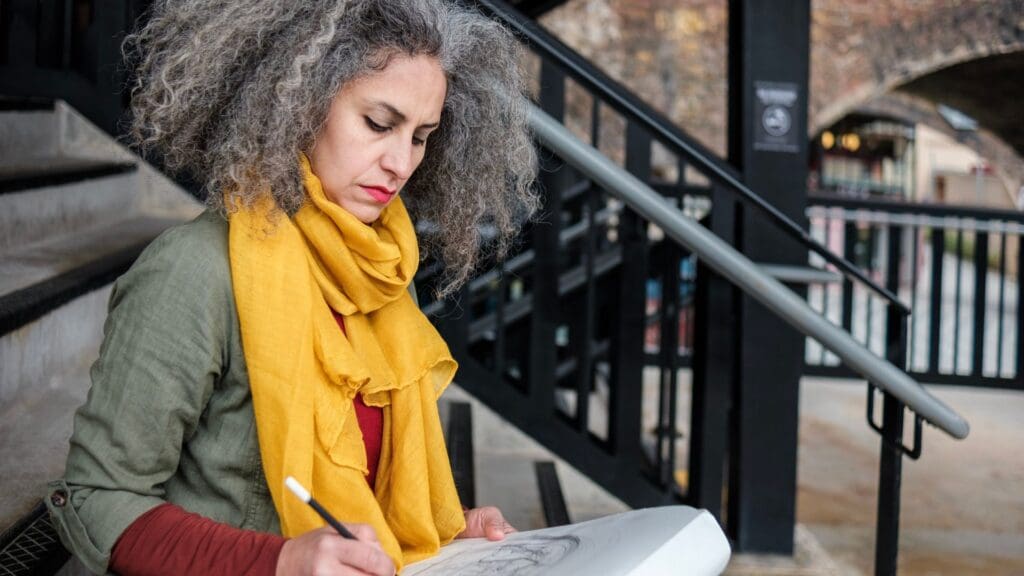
(571, 343)
(68, 49)
(957, 267)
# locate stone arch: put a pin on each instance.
(897, 42)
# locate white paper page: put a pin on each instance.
(654, 541)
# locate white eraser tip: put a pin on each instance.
(297, 489)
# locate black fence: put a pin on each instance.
(958, 271)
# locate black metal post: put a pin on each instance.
(891, 463)
(889, 478)
(768, 77)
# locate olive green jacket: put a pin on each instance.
(169, 417)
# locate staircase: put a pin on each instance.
(76, 209)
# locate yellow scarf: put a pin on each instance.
(304, 371)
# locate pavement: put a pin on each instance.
(963, 501)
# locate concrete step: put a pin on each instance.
(505, 475)
(38, 128)
(76, 209)
(51, 334)
(36, 215)
(56, 171)
(33, 264)
(50, 319)
(28, 128)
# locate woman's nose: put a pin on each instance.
(400, 161)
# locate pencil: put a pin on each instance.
(306, 497)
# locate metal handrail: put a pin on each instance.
(742, 272)
(873, 216)
(636, 110)
(922, 208)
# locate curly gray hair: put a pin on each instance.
(230, 92)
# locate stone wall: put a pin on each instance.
(673, 52)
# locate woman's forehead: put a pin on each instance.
(408, 88)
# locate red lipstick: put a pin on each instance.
(379, 193)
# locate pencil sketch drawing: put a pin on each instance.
(654, 541)
(522, 556)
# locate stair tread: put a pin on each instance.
(40, 277)
(37, 262)
(26, 174)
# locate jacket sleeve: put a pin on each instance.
(164, 348)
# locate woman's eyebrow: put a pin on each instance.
(398, 116)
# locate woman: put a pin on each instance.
(277, 335)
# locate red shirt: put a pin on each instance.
(168, 540)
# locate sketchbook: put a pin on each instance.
(676, 540)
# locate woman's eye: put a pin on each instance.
(374, 126)
(419, 141)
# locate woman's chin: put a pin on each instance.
(365, 213)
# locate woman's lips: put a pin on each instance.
(379, 193)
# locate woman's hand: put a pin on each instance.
(486, 522)
(325, 552)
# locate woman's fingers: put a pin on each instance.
(365, 557)
(365, 533)
(324, 551)
(487, 522)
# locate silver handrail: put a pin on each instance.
(742, 272)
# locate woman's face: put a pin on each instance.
(376, 134)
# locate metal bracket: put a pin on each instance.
(913, 453)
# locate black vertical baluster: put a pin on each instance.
(454, 326)
(1018, 377)
(673, 362)
(980, 300)
(826, 287)
(868, 295)
(935, 306)
(49, 33)
(849, 252)
(669, 361)
(894, 250)
(628, 327)
(1002, 302)
(544, 319)
(65, 61)
(915, 246)
(956, 300)
(585, 339)
(22, 33)
(714, 367)
(661, 427)
(499, 323)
